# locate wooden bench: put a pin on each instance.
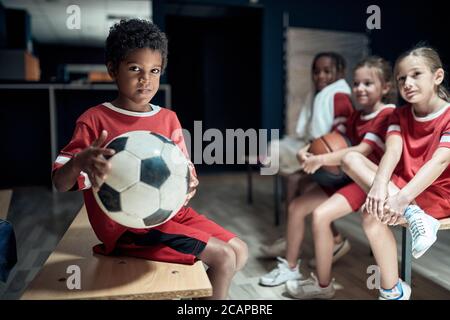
(407, 250)
(106, 277)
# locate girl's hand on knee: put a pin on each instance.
(390, 217)
(396, 205)
(375, 200)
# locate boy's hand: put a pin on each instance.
(92, 161)
(193, 183)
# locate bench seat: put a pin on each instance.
(106, 277)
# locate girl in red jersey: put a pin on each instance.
(413, 174)
(327, 106)
(365, 129)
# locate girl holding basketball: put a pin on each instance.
(365, 129)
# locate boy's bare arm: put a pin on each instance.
(91, 161)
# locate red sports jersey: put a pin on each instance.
(421, 137)
(116, 121)
(370, 128)
(343, 109)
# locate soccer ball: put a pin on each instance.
(148, 182)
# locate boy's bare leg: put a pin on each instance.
(221, 260)
(381, 239)
(299, 208)
(323, 216)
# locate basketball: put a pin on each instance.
(148, 182)
(331, 176)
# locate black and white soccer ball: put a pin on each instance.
(148, 183)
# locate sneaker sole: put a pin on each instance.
(276, 284)
(406, 294)
(318, 297)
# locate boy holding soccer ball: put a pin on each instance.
(136, 55)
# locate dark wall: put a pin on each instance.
(215, 68)
(18, 27)
(25, 148)
(403, 24)
(2, 26)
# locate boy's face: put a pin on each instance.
(137, 76)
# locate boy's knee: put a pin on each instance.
(226, 258)
(241, 252)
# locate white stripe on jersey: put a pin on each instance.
(339, 120)
(394, 127)
(341, 128)
(62, 160)
(373, 137)
(87, 182)
(445, 138)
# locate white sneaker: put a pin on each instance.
(402, 291)
(309, 289)
(280, 274)
(423, 228)
(277, 249)
(339, 250)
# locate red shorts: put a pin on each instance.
(432, 200)
(354, 195)
(179, 240)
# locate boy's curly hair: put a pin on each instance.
(128, 35)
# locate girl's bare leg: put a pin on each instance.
(334, 208)
(299, 208)
(381, 239)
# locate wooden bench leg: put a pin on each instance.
(277, 197)
(249, 184)
(406, 256)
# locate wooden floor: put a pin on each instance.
(223, 198)
(40, 219)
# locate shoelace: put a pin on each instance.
(417, 228)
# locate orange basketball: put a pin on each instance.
(328, 143)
